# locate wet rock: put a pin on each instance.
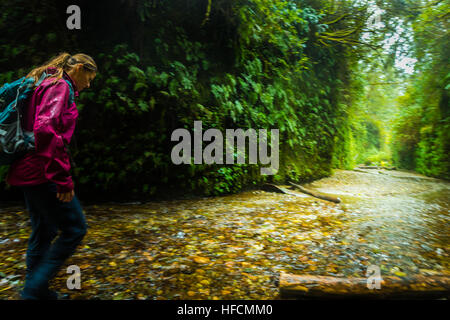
(171, 270)
(180, 235)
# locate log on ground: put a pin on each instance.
(377, 167)
(324, 287)
(315, 193)
(273, 188)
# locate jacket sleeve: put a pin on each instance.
(49, 141)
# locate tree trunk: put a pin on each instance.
(368, 167)
(362, 171)
(376, 167)
(315, 193)
(323, 287)
(273, 188)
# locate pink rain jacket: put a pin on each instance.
(52, 120)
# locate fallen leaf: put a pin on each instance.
(201, 260)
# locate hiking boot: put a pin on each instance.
(33, 294)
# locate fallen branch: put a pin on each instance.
(369, 172)
(273, 188)
(376, 167)
(357, 170)
(315, 193)
(323, 287)
(413, 178)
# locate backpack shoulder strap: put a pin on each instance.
(42, 78)
(71, 93)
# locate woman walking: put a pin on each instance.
(44, 174)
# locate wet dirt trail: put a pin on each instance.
(234, 247)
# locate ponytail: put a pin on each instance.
(63, 62)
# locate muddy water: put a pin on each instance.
(234, 247)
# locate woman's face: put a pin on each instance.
(81, 77)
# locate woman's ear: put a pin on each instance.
(78, 67)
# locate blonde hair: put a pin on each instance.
(63, 62)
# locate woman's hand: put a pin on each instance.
(65, 197)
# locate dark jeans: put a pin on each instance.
(48, 216)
